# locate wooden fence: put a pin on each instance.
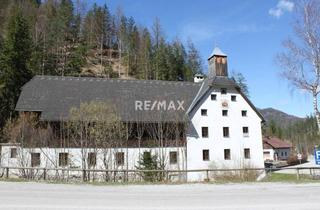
(123, 175)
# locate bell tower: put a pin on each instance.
(218, 65)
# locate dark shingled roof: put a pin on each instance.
(220, 82)
(54, 96)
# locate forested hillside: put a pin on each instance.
(65, 37)
(282, 118)
(72, 38)
(302, 132)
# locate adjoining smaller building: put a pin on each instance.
(275, 149)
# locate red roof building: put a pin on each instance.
(276, 149)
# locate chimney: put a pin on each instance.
(198, 78)
(218, 65)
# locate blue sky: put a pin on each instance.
(249, 31)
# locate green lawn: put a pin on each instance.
(277, 177)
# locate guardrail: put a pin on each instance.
(124, 175)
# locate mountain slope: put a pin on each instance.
(281, 118)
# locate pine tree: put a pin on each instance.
(241, 81)
(193, 59)
(14, 63)
(148, 161)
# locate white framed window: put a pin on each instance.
(205, 155)
(226, 133)
(204, 112)
(173, 157)
(205, 132)
(247, 153)
(227, 154)
(245, 131)
(225, 113)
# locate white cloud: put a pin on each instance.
(282, 7)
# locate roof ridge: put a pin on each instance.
(118, 79)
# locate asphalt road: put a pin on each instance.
(311, 163)
(38, 196)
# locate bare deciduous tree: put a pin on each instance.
(301, 60)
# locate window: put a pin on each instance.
(223, 91)
(227, 155)
(63, 159)
(213, 97)
(173, 157)
(226, 132)
(247, 153)
(205, 132)
(245, 131)
(285, 153)
(233, 98)
(244, 113)
(205, 155)
(120, 158)
(13, 153)
(35, 159)
(92, 159)
(224, 112)
(204, 112)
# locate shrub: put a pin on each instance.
(293, 159)
(148, 161)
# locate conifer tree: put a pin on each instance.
(193, 59)
(14, 63)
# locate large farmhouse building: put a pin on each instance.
(217, 125)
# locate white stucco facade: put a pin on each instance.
(78, 158)
(216, 143)
(276, 154)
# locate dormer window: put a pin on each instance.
(223, 91)
(233, 98)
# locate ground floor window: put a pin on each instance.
(35, 159)
(227, 155)
(63, 159)
(247, 153)
(120, 158)
(205, 155)
(13, 153)
(173, 157)
(92, 159)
